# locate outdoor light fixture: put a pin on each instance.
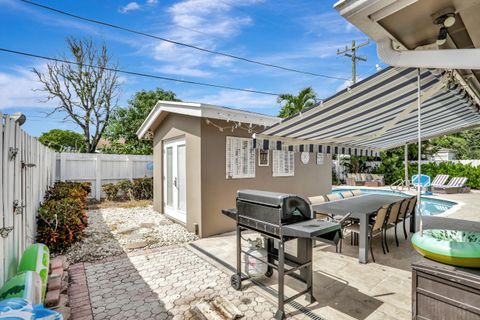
(447, 20)
(442, 36)
(18, 117)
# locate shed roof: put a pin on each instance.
(201, 110)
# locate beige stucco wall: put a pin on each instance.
(172, 127)
(219, 192)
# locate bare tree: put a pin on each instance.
(86, 91)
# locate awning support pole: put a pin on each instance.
(407, 182)
(418, 220)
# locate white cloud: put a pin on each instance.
(240, 100)
(151, 2)
(184, 71)
(330, 22)
(215, 23)
(132, 6)
(17, 90)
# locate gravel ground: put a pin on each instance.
(113, 231)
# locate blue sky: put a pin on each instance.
(296, 34)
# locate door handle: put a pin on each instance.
(175, 182)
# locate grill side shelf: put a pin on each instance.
(310, 228)
(231, 213)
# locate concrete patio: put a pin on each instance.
(345, 289)
(167, 283)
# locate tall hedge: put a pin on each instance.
(393, 169)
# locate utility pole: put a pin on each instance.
(352, 53)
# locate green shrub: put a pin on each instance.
(143, 188)
(138, 189)
(335, 180)
(126, 188)
(393, 169)
(62, 217)
(111, 191)
(68, 189)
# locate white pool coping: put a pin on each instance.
(456, 206)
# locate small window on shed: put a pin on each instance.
(240, 157)
(283, 163)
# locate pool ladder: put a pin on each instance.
(398, 185)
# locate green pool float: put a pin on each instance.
(36, 258)
(26, 285)
(454, 247)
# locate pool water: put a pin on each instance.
(429, 206)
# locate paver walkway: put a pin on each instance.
(163, 283)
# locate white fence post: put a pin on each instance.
(98, 176)
(130, 168)
(63, 167)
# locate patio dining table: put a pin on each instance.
(361, 207)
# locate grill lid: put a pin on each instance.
(267, 198)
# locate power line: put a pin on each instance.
(180, 43)
(134, 73)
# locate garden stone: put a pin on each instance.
(147, 224)
(129, 229)
(136, 244)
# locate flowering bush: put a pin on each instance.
(143, 188)
(62, 217)
(137, 189)
(111, 191)
(68, 189)
(126, 188)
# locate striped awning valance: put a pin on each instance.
(271, 144)
(377, 113)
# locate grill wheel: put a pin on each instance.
(269, 272)
(236, 282)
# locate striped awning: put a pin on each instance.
(375, 114)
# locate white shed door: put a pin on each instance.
(174, 190)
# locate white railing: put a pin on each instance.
(99, 169)
(27, 170)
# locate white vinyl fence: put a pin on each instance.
(27, 170)
(100, 169)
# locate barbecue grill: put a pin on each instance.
(280, 218)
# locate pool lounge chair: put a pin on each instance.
(455, 185)
(355, 179)
(375, 180)
(440, 180)
(334, 196)
(424, 181)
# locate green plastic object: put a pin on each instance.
(26, 285)
(454, 247)
(36, 258)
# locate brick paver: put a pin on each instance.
(78, 293)
(163, 283)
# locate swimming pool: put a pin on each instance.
(429, 206)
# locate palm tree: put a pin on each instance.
(294, 104)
